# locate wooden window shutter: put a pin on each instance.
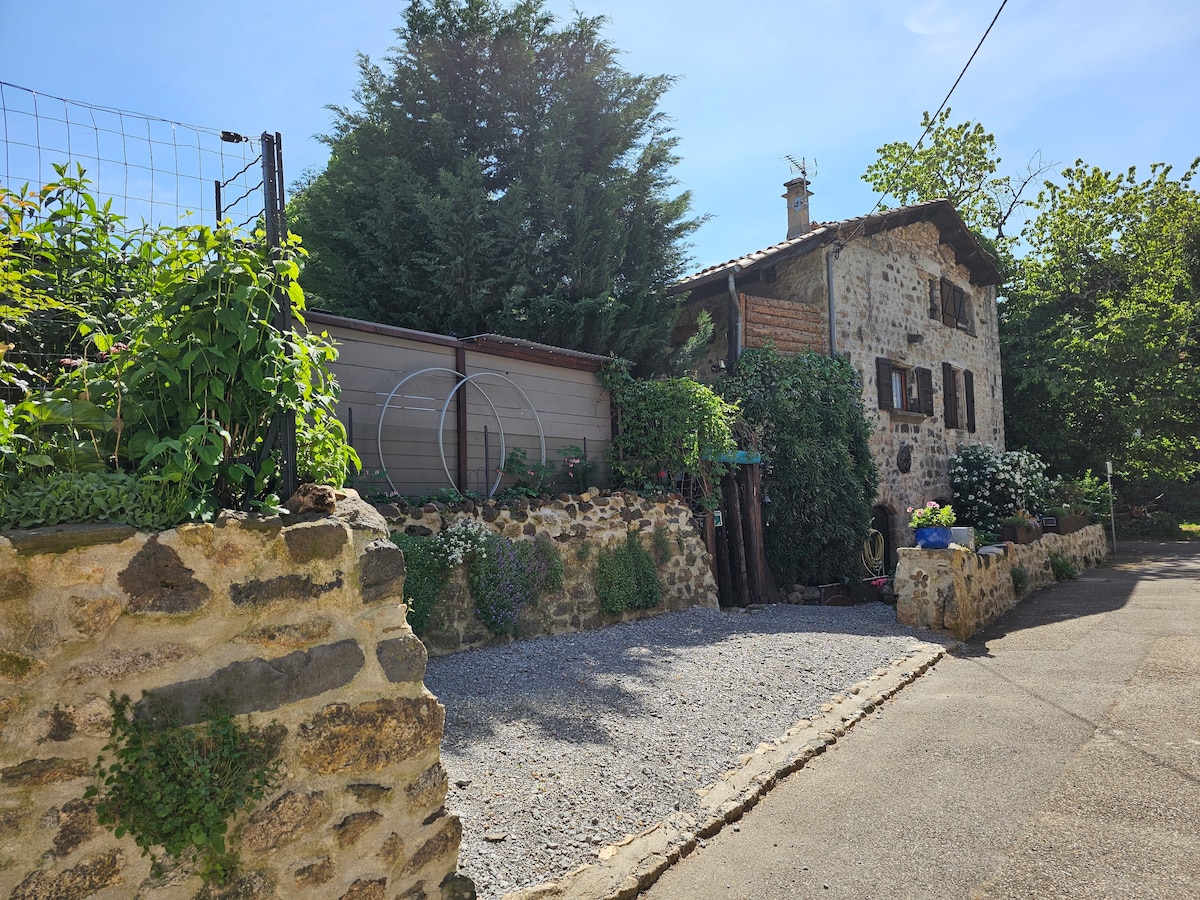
(960, 308)
(925, 391)
(935, 300)
(969, 397)
(883, 375)
(948, 304)
(949, 396)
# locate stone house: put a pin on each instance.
(909, 296)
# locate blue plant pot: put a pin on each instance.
(933, 538)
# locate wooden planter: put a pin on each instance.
(1020, 534)
(1063, 524)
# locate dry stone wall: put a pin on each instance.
(297, 623)
(580, 525)
(960, 591)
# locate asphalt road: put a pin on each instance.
(1057, 754)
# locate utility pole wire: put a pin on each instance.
(904, 166)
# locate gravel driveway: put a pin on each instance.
(558, 746)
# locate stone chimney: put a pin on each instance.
(797, 206)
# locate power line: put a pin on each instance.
(912, 150)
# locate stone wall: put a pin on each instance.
(959, 591)
(580, 525)
(298, 624)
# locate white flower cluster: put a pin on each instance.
(462, 539)
(990, 485)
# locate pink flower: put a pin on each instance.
(662, 473)
(910, 509)
(931, 505)
(71, 363)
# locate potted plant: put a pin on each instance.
(1064, 519)
(1020, 528)
(931, 525)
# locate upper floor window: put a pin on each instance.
(902, 388)
(958, 394)
(950, 303)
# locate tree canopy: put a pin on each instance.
(956, 163)
(1100, 313)
(1100, 334)
(501, 173)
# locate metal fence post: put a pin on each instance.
(276, 226)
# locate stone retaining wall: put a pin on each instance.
(580, 525)
(960, 591)
(297, 623)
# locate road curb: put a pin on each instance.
(625, 869)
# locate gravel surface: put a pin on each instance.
(558, 746)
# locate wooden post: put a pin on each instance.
(460, 419)
(737, 540)
(766, 589)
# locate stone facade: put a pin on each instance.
(959, 591)
(914, 302)
(297, 623)
(580, 525)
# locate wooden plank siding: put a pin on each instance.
(792, 327)
(569, 400)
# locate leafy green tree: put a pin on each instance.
(501, 173)
(957, 163)
(1100, 333)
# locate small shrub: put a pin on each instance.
(543, 565)
(177, 787)
(1063, 568)
(499, 584)
(1020, 580)
(583, 550)
(427, 572)
(660, 546)
(625, 577)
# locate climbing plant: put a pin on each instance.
(819, 478)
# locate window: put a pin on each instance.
(951, 304)
(958, 395)
(904, 389)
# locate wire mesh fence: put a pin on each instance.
(150, 173)
(154, 171)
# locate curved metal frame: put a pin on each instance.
(463, 380)
(529, 403)
(400, 384)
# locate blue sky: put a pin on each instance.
(828, 80)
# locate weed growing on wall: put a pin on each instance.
(1020, 580)
(175, 787)
(1062, 567)
(625, 577)
(660, 546)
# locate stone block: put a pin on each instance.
(37, 772)
(290, 635)
(258, 592)
(118, 664)
(403, 659)
(88, 877)
(359, 514)
(352, 827)
(381, 572)
(284, 819)
(371, 736)
(157, 581)
(309, 541)
(61, 538)
(255, 685)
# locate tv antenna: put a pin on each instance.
(800, 166)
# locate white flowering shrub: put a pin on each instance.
(464, 539)
(990, 485)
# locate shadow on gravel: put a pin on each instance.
(1094, 592)
(556, 685)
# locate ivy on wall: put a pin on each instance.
(819, 477)
(666, 427)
